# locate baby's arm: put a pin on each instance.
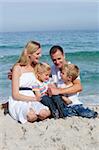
(66, 100)
(38, 95)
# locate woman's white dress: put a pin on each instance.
(19, 109)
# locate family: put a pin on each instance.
(40, 91)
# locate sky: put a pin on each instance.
(38, 15)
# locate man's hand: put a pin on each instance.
(10, 74)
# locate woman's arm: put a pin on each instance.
(77, 87)
(15, 86)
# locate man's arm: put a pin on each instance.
(10, 74)
(77, 87)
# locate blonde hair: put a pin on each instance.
(30, 48)
(41, 68)
(71, 70)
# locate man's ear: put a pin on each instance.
(64, 55)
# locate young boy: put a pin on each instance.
(74, 107)
(42, 72)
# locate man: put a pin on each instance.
(58, 58)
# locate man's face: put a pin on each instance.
(58, 59)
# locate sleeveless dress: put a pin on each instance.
(19, 109)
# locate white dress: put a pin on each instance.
(19, 109)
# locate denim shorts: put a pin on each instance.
(79, 110)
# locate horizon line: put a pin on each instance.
(50, 30)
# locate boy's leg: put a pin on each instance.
(69, 111)
(47, 101)
(85, 112)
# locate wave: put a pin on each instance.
(20, 46)
(46, 45)
(8, 59)
(84, 52)
(11, 46)
(79, 56)
(84, 55)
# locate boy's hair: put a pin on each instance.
(71, 70)
(41, 68)
(56, 48)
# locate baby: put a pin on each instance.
(40, 87)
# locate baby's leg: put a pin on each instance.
(48, 101)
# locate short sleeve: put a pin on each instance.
(35, 87)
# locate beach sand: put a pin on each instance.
(72, 133)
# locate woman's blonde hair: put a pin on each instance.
(30, 48)
(41, 68)
(71, 70)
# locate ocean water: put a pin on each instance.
(80, 47)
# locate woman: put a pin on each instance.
(23, 105)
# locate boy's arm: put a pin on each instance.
(66, 100)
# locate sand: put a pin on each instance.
(71, 133)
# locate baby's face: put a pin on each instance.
(44, 76)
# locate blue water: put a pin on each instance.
(81, 48)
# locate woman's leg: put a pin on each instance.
(44, 114)
(31, 116)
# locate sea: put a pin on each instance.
(80, 47)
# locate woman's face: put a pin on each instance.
(36, 56)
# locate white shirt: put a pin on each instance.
(56, 76)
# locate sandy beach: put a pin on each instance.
(73, 133)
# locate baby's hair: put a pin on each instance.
(47, 66)
(41, 68)
(71, 70)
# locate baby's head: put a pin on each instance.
(42, 71)
(69, 72)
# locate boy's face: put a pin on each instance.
(64, 75)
